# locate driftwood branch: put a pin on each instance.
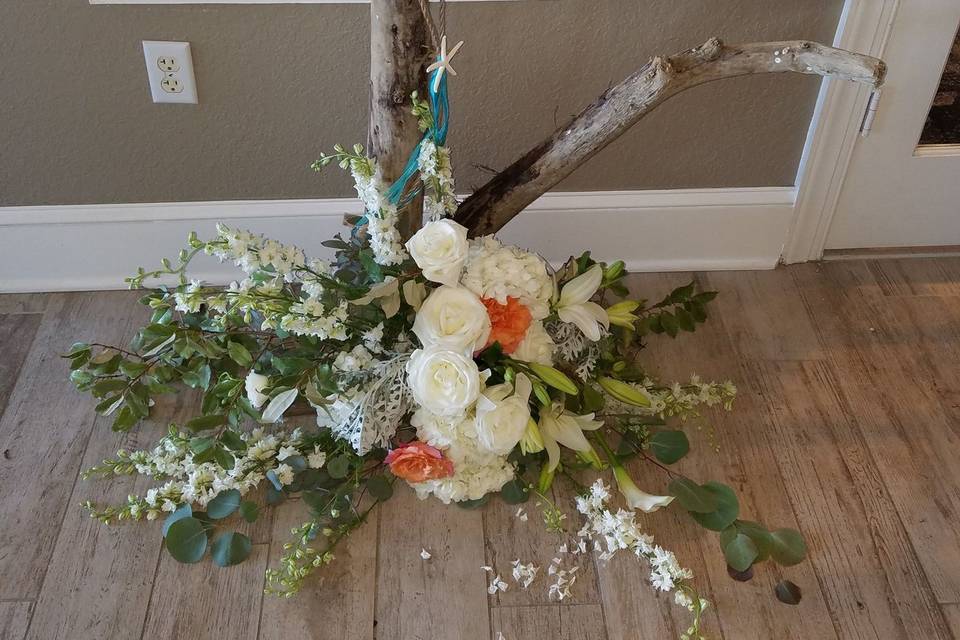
(399, 55)
(622, 106)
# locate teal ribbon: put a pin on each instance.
(440, 108)
(397, 194)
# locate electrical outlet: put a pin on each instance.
(170, 71)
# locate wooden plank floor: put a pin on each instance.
(847, 427)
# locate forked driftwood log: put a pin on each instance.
(509, 192)
(399, 52)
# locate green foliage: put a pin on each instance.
(693, 497)
(739, 550)
(380, 487)
(788, 593)
(187, 540)
(230, 548)
(669, 446)
(224, 504)
(249, 511)
(727, 510)
(515, 492)
(681, 310)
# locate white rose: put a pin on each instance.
(536, 346)
(440, 249)
(503, 412)
(255, 384)
(454, 318)
(443, 382)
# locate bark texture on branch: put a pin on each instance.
(399, 55)
(619, 108)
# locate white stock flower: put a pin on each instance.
(575, 307)
(536, 346)
(454, 318)
(443, 382)
(559, 427)
(255, 384)
(440, 249)
(502, 414)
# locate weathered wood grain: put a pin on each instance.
(14, 619)
(746, 460)
(914, 277)
(846, 428)
(206, 602)
(44, 431)
(560, 622)
(344, 591)
(16, 335)
(874, 584)
(888, 372)
(490, 207)
(444, 596)
(951, 612)
(120, 559)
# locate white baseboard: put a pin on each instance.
(87, 247)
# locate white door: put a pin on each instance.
(900, 192)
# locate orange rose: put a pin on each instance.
(418, 461)
(508, 323)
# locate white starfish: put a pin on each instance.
(443, 64)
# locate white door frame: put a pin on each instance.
(865, 27)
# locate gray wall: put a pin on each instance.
(279, 83)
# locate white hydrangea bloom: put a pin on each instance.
(476, 473)
(497, 271)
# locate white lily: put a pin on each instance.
(386, 293)
(636, 498)
(559, 427)
(574, 305)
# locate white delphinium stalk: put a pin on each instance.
(613, 532)
(436, 171)
(381, 215)
(310, 317)
(198, 483)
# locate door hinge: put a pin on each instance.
(866, 126)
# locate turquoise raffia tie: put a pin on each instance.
(397, 194)
(440, 108)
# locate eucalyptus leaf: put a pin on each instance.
(339, 467)
(230, 548)
(380, 487)
(278, 405)
(787, 547)
(249, 510)
(692, 496)
(740, 552)
(223, 504)
(788, 593)
(669, 446)
(181, 512)
(515, 492)
(728, 508)
(187, 540)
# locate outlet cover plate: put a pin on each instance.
(170, 71)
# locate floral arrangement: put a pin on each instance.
(464, 368)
